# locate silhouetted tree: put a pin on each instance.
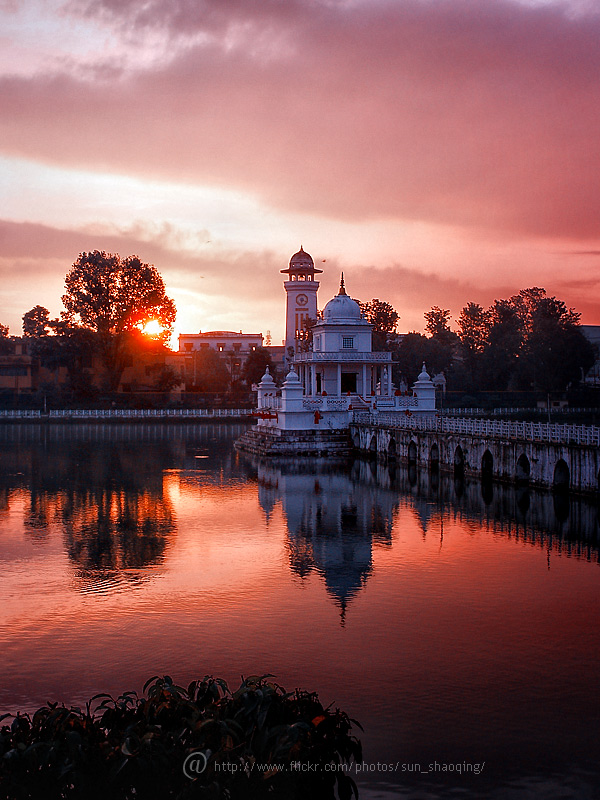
(414, 349)
(305, 338)
(384, 318)
(555, 352)
(37, 322)
(112, 297)
(5, 343)
(256, 363)
(473, 332)
(437, 325)
(211, 374)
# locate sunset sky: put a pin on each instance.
(436, 151)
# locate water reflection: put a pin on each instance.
(333, 521)
(337, 512)
(457, 643)
(559, 519)
(103, 487)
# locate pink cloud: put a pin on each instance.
(475, 114)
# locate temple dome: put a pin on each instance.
(343, 309)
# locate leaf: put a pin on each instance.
(346, 787)
(149, 681)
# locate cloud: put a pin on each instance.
(484, 115)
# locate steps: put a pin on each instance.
(264, 442)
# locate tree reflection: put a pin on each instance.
(107, 498)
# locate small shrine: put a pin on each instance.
(333, 374)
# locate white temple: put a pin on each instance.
(339, 374)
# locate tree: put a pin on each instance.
(437, 326)
(256, 363)
(555, 352)
(211, 374)
(473, 332)
(37, 322)
(305, 336)
(505, 340)
(473, 327)
(415, 349)
(445, 340)
(5, 344)
(384, 318)
(528, 341)
(112, 297)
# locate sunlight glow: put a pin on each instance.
(152, 328)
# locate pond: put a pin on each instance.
(458, 622)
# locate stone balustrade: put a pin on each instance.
(502, 429)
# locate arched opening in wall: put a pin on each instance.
(459, 463)
(392, 449)
(412, 453)
(523, 469)
(487, 466)
(434, 456)
(356, 441)
(561, 476)
(373, 445)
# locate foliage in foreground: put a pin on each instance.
(256, 742)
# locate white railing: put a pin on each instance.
(499, 429)
(351, 355)
(390, 403)
(127, 413)
(507, 412)
(19, 413)
(271, 401)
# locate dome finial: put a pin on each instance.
(342, 289)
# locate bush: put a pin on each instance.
(256, 742)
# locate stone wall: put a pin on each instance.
(544, 464)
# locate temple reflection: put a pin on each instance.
(333, 521)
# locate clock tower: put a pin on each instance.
(301, 298)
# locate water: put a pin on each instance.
(458, 623)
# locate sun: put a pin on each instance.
(152, 328)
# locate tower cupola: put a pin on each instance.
(302, 267)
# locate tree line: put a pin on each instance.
(530, 341)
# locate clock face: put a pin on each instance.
(302, 299)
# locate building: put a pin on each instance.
(332, 374)
(19, 370)
(342, 361)
(592, 334)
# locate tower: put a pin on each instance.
(301, 297)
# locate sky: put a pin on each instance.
(437, 151)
